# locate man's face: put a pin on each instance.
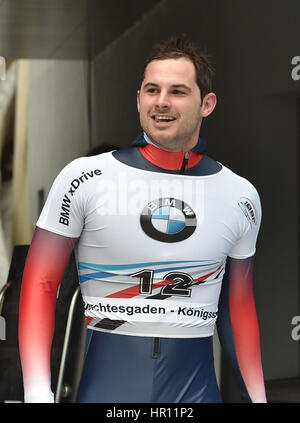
(169, 104)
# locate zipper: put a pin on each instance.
(184, 162)
(155, 347)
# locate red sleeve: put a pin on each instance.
(46, 261)
(239, 330)
(245, 327)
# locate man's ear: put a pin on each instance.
(138, 100)
(208, 104)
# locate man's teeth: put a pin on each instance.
(164, 118)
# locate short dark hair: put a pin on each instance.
(181, 46)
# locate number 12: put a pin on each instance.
(178, 287)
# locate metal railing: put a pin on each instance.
(2, 294)
(2, 320)
(62, 389)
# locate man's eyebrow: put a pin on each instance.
(183, 86)
(151, 84)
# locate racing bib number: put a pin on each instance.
(173, 283)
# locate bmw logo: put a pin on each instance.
(168, 220)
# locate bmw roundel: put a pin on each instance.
(168, 220)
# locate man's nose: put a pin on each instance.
(162, 101)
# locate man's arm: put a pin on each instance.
(46, 261)
(238, 328)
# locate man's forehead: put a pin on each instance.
(171, 71)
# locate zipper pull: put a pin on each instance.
(155, 348)
(184, 162)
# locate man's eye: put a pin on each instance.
(178, 92)
(152, 90)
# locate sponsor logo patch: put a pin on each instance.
(168, 220)
(249, 210)
(64, 217)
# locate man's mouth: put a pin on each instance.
(163, 119)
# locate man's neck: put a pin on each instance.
(151, 142)
(167, 159)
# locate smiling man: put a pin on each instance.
(170, 105)
(157, 278)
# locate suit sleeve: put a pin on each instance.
(57, 230)
(47, 258)
(238, 329)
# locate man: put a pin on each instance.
(165, 238)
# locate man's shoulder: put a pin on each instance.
(238, 180)
(85, 164)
